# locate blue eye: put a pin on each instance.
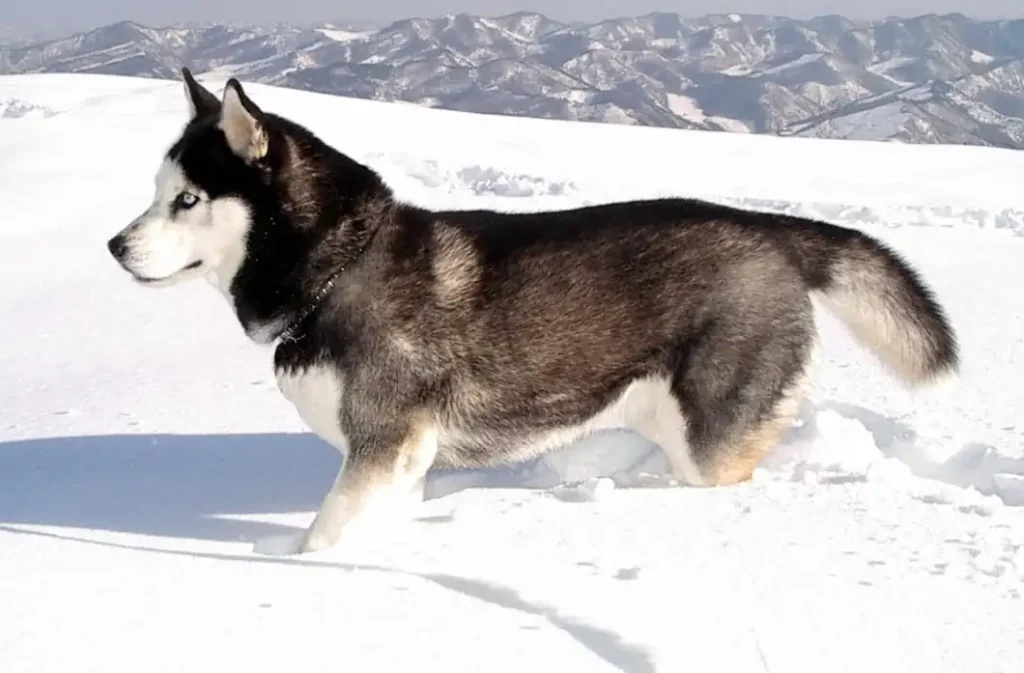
(186, 200)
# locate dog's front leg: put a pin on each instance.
(378, 475)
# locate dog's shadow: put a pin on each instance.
(217, 487)
(214, 487)
(202, 487)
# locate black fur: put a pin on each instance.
(578, 302)
(499, 327)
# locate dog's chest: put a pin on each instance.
(316, 391)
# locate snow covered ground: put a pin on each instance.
(144, 448)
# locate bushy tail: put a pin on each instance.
(882, 300)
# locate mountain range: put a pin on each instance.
(927, 79)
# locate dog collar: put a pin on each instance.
(289, 332)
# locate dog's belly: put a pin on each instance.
(645, 406)
(316, 392)
(478, 447)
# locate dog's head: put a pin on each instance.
(244, 198)
(200, 217)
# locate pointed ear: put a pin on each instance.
(243, 123)
(200, 101)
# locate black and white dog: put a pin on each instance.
(409, 338)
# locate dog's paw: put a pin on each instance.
(313, 542)
(281, 545)
(304, 542)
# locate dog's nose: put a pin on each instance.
(117, 246)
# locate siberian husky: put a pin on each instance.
(410, 338)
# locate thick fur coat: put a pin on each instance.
(409, 338)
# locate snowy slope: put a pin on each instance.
(144, 448)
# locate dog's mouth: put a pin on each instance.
(188, 267)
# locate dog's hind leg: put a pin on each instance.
(653, 412)
(730, 436)
(380, 473)
(733, 460)
(740, 378)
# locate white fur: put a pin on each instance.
(244, 135)
(646, 407)
(863, 298)
(266, 333)
(212, 232)
(649, 409)
(316, 393)
(360, 499)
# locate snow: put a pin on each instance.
(980, 57)
(511, 34)
(688, 108)
(144, 448)
(884, 68)
(790, 65)
(339, 35)
(875, 123)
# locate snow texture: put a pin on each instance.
(144, 449)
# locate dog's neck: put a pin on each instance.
(322, 288)
(289, 331)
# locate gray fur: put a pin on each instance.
(415, 338)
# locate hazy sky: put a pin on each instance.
(79, 14)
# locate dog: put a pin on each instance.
(409, 338)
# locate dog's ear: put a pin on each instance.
(200, 101)
(243, 123)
